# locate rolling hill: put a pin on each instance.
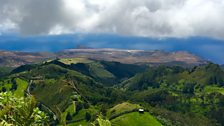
(75, 91)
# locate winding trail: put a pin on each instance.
(28, 88)
(42, 104)
(73, 86)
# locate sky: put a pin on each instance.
(190, 25)
(148, 18)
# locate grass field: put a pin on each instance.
(21, 87)
(135, 119)
(71, 109)
(123, 107)
(81, 115)
(69, 61)
(99, 71)
(210, 89)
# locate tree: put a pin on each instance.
(68, 117)
(88, 116)
(4, 89)
(20, 111)
(188, 88)
(14, 86)
(102, 122)
(79, 106)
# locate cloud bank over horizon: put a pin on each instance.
(208, 49)
(148, 18)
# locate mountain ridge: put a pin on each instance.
(18, 58)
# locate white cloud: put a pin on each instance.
(151, 18)
(7, 25)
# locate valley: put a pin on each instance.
(78, 91)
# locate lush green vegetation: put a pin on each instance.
(5, 70)
(21, 87)
(108, 73)
(122, 108)
(135, 119)
(77, 91)
(213, 89)
(70, 61)
(20, 111)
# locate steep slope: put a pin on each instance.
(57, 88)
(108, 73)
(198, 91)
(210, 74)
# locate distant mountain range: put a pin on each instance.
(133, 56)
(206, 48)
(15, 59)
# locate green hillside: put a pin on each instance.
(108, 73)
(5, 70)
(135, 119)
(70, 61)
(122, 108)
(197, 91)
(176, 77)
(59, 89)
(77, 91)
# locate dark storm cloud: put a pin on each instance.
(34, 16)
